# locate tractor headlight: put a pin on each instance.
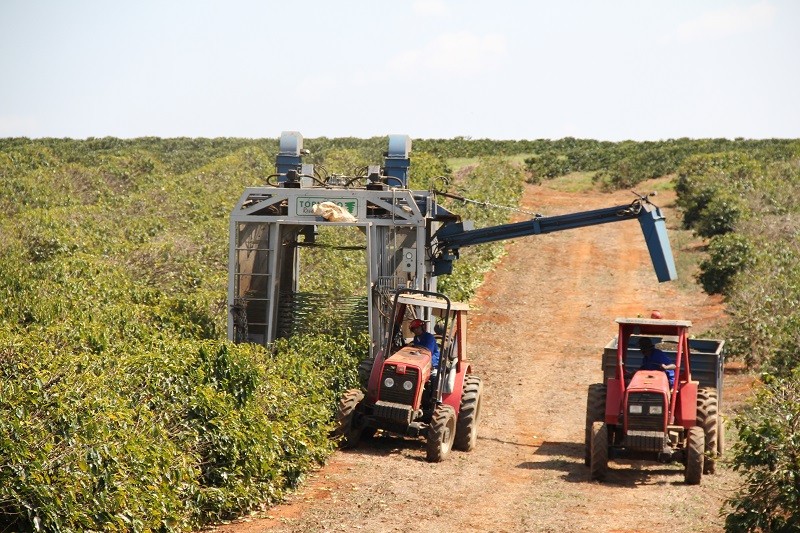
(635, 409)
(408, 385)
(388, 382)
(655, 410)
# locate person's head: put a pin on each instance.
(417, 326)
(645, 344)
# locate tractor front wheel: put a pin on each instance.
(709, 419)
(348, 428)
(598, 463)
(595, 412)
(441, 433)
(695, 450)
(468, 414)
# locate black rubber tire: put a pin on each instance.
(598, 462)
(695, 455)
(595, 412)
(708, 418)
(441, 433)
(364, 371)
(347, 427)
(469, 414)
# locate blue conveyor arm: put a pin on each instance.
(453, 236)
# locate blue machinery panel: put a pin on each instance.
(654, 228)
(289, 154)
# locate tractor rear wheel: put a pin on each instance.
(468, 415)
(364, 371)
(441, 433)
(695, 454)
(347, 427)
(708, 418)
(598, 463)
(595, 412)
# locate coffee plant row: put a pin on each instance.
(748, 208)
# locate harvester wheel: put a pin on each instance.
(708, 418)
(468, 415)
(598, 463)
(364, 371)
(441, 433)
(348, 428)
(695, 450)
(595, 412)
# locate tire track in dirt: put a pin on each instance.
(540, 322)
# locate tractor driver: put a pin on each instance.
(425, 339)
(655, 359)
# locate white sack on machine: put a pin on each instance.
(332, 212)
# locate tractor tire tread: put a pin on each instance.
(595, 412)
(364, 371)
(599, 458)
(708, 418)
(345, 427)
(441, 433)
(469, 414)
(695, 455)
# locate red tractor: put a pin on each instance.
(405, 393)
(636, 414)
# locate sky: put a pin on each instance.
(501, 69)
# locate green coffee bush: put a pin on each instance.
(728, 255)
(766, 453)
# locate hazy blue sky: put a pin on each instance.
(501, 69)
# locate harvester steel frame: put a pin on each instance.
(410, 238)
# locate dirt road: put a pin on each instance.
(536, 335)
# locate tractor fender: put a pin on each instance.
(373, 386)
(614, 396)
(686, 408)
(453, 398)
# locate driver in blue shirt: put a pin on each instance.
(655, 359)
(425, 339)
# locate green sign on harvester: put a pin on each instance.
(305, 205)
